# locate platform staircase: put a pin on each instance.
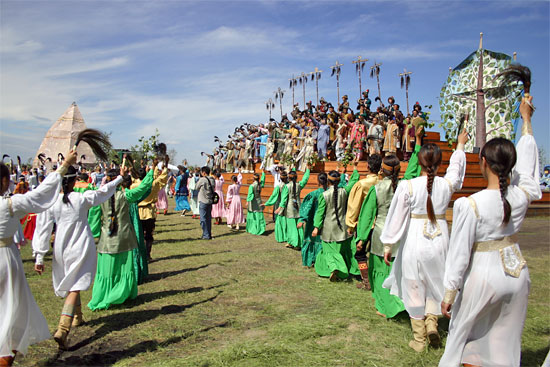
(473, 181)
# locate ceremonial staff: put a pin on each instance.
(316, 75)
(303, 80)
(336, 68)
(293, 83)
(359, 65)
(405, 81)
(375, 70)
(279, 94)
(269, 105)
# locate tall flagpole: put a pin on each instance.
(359, 65)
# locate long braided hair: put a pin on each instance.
(390, 168)
(429, 158)
(334, 178)
(113, 221)
(322, 179)
(500, 155)
(293, 177)
(68, 183)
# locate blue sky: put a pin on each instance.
(197, 69)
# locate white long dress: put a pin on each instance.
(21, 322)
(417, 273)
(489, 312)
(74, 260)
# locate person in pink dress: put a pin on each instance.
(234, 212)
(162, 202)
(218, 210)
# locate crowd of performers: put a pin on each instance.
(320, 132)
(392, 234)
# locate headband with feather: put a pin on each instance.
(97, 140)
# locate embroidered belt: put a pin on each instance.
(494, 245)
(511, 258)
(425, 216)
(6, 242)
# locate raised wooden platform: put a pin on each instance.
(473, 181)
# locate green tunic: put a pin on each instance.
(141, 265)
(255, 221)
(336, 253)
(116, 277)
(290, 202)
(280, 221)
(373, 218)
(311, 245)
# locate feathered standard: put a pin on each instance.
(97, 140)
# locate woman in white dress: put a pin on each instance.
(416, 223)
(74, 257)
(484, 265)
(21, 322)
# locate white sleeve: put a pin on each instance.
(460, 247)
(42, 235)
(525, 174)
(39, 199)
(96, 197)
(398, 215)
(456, 170)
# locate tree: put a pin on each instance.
(146, 147)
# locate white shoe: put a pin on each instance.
(229, 226)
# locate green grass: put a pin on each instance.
(243, 300)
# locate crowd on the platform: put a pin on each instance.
(391, 234)
(322, 132)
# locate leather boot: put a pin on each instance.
(7, 361)
(65, 322)
(431, 330)
(419, 334)
(364, 269)
(78, 319)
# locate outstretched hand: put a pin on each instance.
(387, 258)
(70, 158)
(526, 108)
(463, 137)
(39, 269)
(446, 309)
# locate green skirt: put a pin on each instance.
(384, 302)
(335, 256)
(294, 235)
(280, 228)
(115, 280)
(310, 248)
(255, 223)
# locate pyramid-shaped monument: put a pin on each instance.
(62, 136)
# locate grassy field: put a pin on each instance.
(243, 300)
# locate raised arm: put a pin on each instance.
(457, 165)
(526, 171)
(413, 168)
(352, 180)
(262, 180)
(41, 198)
(96, 197)
(305, 179)
(274, 197)
(142, 191)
